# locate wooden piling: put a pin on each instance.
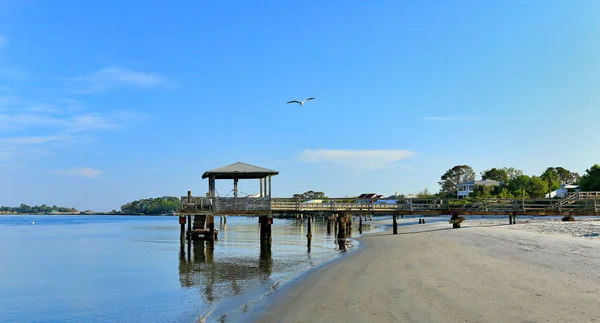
(309, 234)
(395, 224)
(182, 227)
(360, 223)
(329, 220)
(265, 228)
(349, 226)
(210, 222)
(341, 232)
(189, 227)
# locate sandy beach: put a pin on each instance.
(486, 271)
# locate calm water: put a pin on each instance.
(132, 269)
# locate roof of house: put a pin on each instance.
(570, 186)
(486, 182)
(369, 195)
(239, 170)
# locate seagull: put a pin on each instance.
(300, 102)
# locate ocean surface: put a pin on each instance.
(133, 269)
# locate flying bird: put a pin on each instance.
(300, 102)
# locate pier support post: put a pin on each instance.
(341, 234)
(329, 220)
(265, 229)
(395, 224)
(210, 222)
(349, 226)
(510, 218)
(360, 216)
(182, 230)
(189, 227)
(309, 234)
(455, 220)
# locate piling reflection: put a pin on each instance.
(217, 277)
(241, 259)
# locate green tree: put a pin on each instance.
(152, 206)
(512, 172)
(424, 194)
(454, 176)
(550, 176)
(565, 176)
(482, 191)
(310, 195)
(536, 187)
(518, 185)
(500, 175)
(590, 181)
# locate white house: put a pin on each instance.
(464, 189)
(562, 191)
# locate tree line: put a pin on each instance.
(152, 206)
(515, 184)
(37, 209)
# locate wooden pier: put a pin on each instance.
(199, 212)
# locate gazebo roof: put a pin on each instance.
(239, 170)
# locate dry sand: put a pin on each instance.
(483, 272)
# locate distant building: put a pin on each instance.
(368, 198)
(464, 189)
(386, 201)
(562, 191)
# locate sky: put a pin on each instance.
(103, 102)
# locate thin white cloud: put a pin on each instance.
(355, 159)
(33, 140)
(69, 124)
(116, 78)
(86, 172)
(30, 145)
(457, 118)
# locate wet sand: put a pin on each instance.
(431, 273)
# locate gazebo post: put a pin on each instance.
(235, 187)
(269, 186)
(261, 188)
(265, 186)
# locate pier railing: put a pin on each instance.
(232, 205)
(539, 206)
(225, 204)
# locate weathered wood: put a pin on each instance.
(309, 234)
(360, 230)
(189, 227)
(341, 219)
(395, 225)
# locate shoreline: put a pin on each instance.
(431, 273)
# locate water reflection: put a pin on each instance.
(199, 269)
(240, 262)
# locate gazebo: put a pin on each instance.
(204, 209)
(239, 171)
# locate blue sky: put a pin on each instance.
(105, 102)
